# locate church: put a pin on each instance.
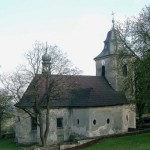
(97, 108)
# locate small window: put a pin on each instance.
(127, 118)
(59, 122)
(34, 123)
(94, 122)
(77, 121)
(103, 71)
(124, 70)
(108, 121)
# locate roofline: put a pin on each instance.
(78, 75)
(106, 56)
(56, 107)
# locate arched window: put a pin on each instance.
(124, 70)
(103, 71)
(127, 117)
(77, 121)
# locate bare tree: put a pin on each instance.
(54, 87)
(60, 64)
(34, 59)
(5, 104)
(17, 82)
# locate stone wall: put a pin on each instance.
(110, 63)
(23, 129)
(58, 135)
(105, 120)
(77, 122)
(129, 116)
(80, 121)
(25, 134)
(110, 120)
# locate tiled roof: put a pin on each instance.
(83, 91)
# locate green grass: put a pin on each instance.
(132, 142)
(7, 144)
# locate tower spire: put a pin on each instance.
(46, 61)
(46, 48)
(113, 20)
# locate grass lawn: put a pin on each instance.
(131, 142)
(7, 144)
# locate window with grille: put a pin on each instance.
(59, 122)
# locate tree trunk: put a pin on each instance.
(41, 130)
(41, 126)
(47, 124)
(44, 134)
(47, 110)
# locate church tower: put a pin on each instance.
(46, 62)
(107, 62)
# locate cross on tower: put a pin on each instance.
(113, 21)
(46, 48)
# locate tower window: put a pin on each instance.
(103, 70)
(127, 118)
(77, 121)
(124, 70)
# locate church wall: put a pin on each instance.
(108, 120)
(132, 118)
(110, 70)
(58, 134)
(129, 116)
(111, 120)
(80, 121)
(90, 122)
(23, 129)
(25, 134)
(112, 46)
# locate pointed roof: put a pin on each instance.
(112, 36)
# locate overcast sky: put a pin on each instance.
(78, 27)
